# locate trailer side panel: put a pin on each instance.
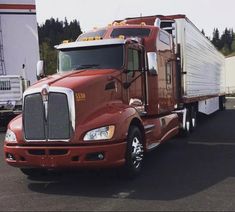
(202, 66)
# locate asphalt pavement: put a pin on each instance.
(195, 173)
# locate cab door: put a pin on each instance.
(135, 76)
(166, 79)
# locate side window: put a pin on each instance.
(133, 60)
(130, 60)
(136, 60)
(168, 73)
(65, 62)
(164, 37)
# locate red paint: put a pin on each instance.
(100, 107)
(17, 6)
(74, 158)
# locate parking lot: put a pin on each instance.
(192, 173)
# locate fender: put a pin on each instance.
(16, 126)
(112, 114)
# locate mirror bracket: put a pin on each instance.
(40, 70)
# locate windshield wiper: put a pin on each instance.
(84, 66)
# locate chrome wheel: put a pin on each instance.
(137, 152)
(134, 153)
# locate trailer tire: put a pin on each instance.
(188, 125)
(134, 153)
(222, 101)
(194, 114)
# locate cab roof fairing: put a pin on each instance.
(78, 44)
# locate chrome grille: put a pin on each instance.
(50, 121)
(33, 116)
(58, 116)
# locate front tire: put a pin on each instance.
(134, 152)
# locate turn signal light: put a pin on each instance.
(65, 41)
(121, 37)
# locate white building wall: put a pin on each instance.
(20, 37)
(230, 74)
(17, 2)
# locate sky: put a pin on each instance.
(205, 14)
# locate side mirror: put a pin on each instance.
(135, 102)
(152, 63)
(40, 70)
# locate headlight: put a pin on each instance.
(103, 133)
(10, 136)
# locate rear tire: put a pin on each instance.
(134, 153)
(188, 125)
(194, 114)
(222, 101)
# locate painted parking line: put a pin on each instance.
(206, 143)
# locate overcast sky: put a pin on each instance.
(205, 14)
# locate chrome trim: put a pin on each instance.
(153, 146)
(57, 140)
(149, 128)
(78, 44)
(184, 112)
(183, 62)
(137, 104)
(146, 80)
(193, 122)
(157, 22)
(45, 98)
(46, 108)
(71, 104)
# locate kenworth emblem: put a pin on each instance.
(45, 93)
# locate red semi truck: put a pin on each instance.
(119, 92)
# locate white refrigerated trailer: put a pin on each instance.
(202, 68)
(19, 53)
(230, 75)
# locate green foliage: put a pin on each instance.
(224, 43)
(52, 33)
(49, 56)
(203, 32)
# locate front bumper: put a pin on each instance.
(56, 157)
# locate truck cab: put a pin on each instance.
(111, 101)
(162, 89)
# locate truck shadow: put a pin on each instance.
(178, 168)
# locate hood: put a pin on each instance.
(75, 79)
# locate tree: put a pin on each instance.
(52, 33)
(203, 32)
(230, 39)
(227, 40)
(216, 39)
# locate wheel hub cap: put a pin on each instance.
(137, 152)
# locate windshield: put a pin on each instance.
(95, 57)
